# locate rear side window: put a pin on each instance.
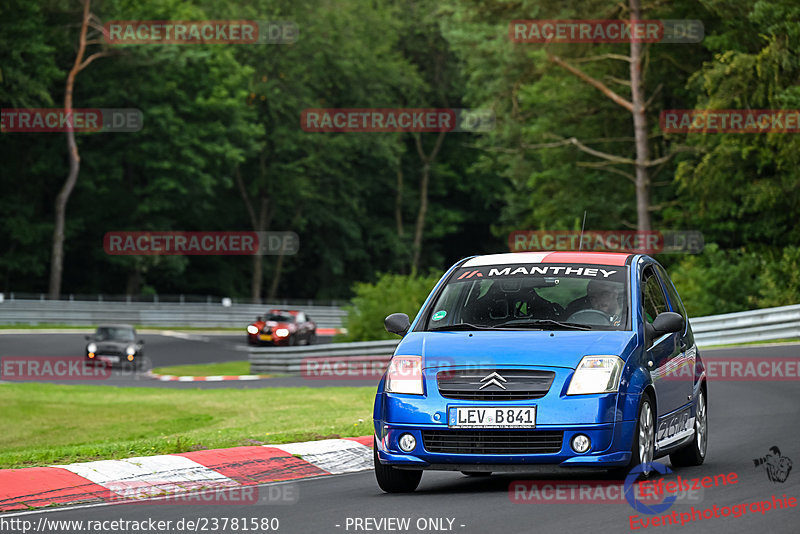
(672, 293)
(653, 298)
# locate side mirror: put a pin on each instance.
(141, 342)
(397, 323)
(259, 318)
(87, 338)
(668, 322)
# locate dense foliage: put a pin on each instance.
(222, 147)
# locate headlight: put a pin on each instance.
(131, 350)
(405, 375)
(92, 347)
(281, 332)
(596, 374)
(252, 329)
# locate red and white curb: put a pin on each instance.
(215, 378)
(174, 474)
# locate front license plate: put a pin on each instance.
(492, 417)
(265, 337)
(112, 359)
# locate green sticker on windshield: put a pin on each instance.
(438, 316)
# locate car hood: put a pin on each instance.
(513, 348)
(112, 345)
(279, 324)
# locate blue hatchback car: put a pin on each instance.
(573, 359)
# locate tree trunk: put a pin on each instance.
(398, 200)
(57, 254)
(259, 224)
(639, 128)
(427, 160)
(276, 278)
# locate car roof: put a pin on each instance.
(291, 312)
(591, 258)
(116, 326)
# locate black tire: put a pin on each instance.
(641, 454)
(312, 338)
(292, 341)
(393, 480)
(695, 452)
(476, 473)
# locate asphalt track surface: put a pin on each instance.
(161, 351)
(746, 418)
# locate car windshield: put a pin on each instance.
(108, 333)
(533, 296)
(280, 318)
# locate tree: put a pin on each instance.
(57, 257)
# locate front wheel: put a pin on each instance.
(695, 452)
(644, 440)
(393, 480)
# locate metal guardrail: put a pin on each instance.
(741, 327)
(747, 326)
(33, 312)
(291, 359)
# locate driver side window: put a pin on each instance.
(653, 298)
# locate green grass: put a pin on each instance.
(206, 369)
(53, 424)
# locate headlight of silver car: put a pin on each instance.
(596, 374)
(92, 347)
(131, 350)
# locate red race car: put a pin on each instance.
(282, 327)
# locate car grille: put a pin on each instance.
(492, 441)
(518, 384)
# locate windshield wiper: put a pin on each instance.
(461, 326)
(537, 323)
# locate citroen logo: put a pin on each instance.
(493, 379)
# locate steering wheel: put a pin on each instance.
(589, 317)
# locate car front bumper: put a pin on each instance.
(610, 447)
(561, 417)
